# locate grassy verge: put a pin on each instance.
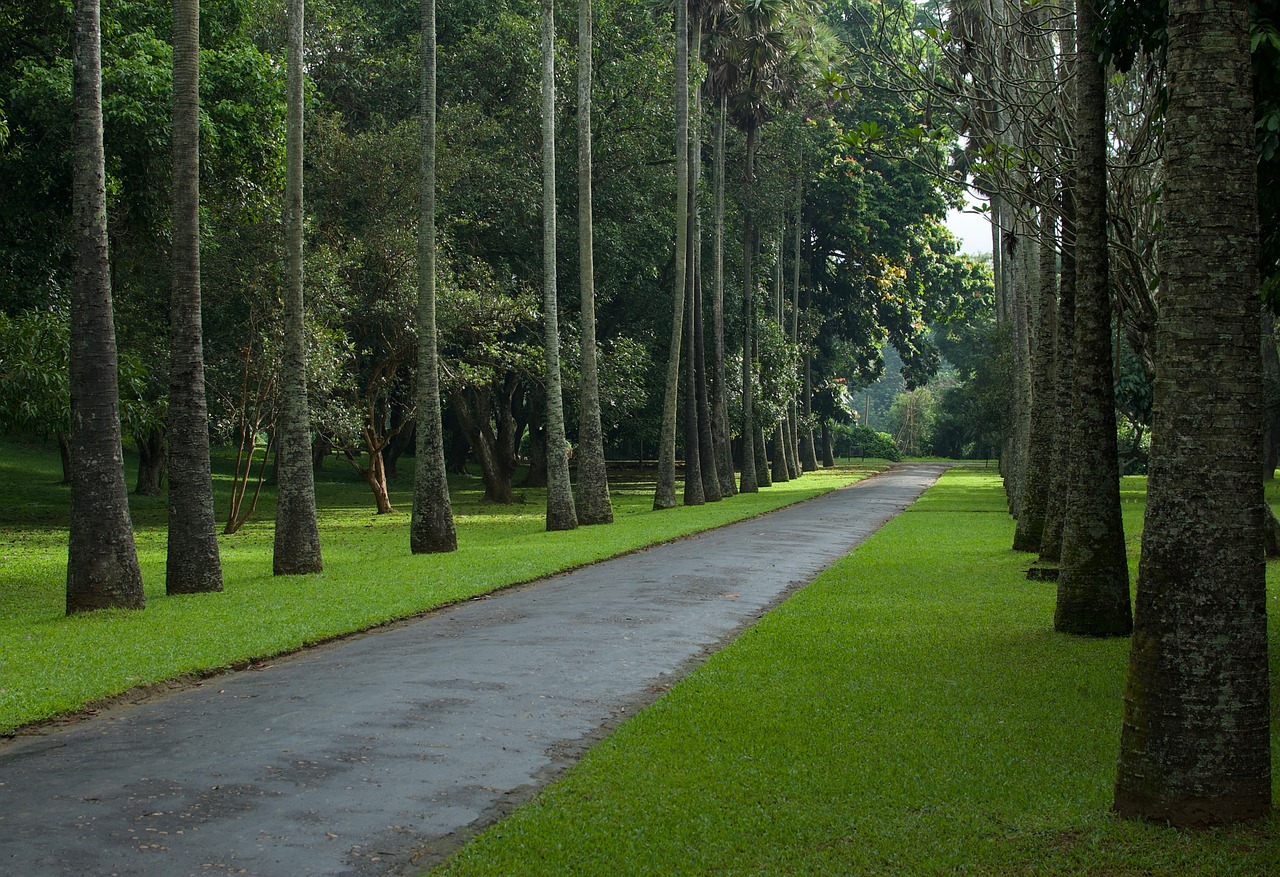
(50, 664)
(911, 712)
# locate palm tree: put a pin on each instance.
(1093, 583)
(102, 562)
(1195, 745)
(192, 564)
(297, 542)
(665, 495)
(431, 529)
(594, 506)
(561, 514)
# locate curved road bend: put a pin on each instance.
(375, 754)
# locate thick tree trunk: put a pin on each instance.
(150, 463)
(1093, 584)
(102, 563)
(665, 495)
(719, 379)
(828, 457)
(1195, 745)
(192, 563)
(297, 541)
(431, 527)
(761, 455)
(593, 503)
(561, 514)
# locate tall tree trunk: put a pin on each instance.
(1195, 745)
(1063, 364)
(719, 380)
(297, 542)
(665, 495)
(1093, 584)
(102, 563)
(561, 514)
(793, 406)
(694, 492)
(828, 456)
(750, 478)
(708, 464)
(431, 527)
(192, 564)
(1038, 471)
(594, 505)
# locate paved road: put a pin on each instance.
(376, 754)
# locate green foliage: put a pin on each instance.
(50, 664)
(858, 440)
(910, 712)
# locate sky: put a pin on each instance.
(973, 229)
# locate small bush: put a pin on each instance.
(863, 441)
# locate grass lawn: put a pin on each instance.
(911, 712)
(51, 664)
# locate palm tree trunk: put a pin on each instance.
(665, 495)
(594, 505)
(719, 380)
(431, 527)
(1195, 745)
(1063, 363)
(297, 542)
(102, 562)
(1030, 529)
(561, 514)
(750, 479)
(1093, 584)
(793, 413)
(698, 360)
(192, 564)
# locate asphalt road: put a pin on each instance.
(379, 753)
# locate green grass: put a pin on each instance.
(51, 664)
(911, 712)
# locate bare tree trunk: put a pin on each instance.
(192, 564)
(594, 505)
(719, 380)
(102, 563)
(665, 495)
(297, 542)
(1093, 583)
(1195, 746)
(750, 475)
(561, 514)
(431, 527)
(1064, 360)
